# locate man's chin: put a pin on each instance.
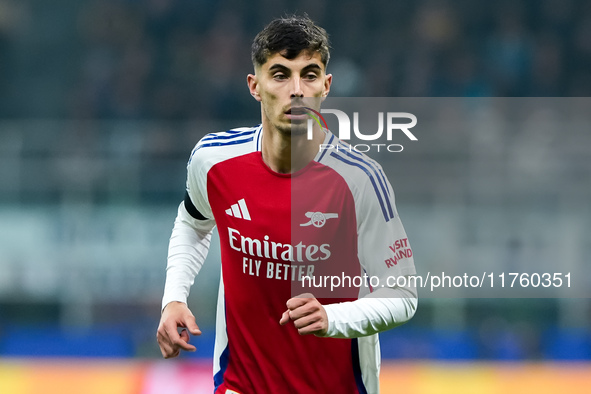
(299, 127)
(294, 128)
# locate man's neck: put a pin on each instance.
(287, 154)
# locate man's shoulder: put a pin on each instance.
(226, 144)
(365, 177)
(349, 162)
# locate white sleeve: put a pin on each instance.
(379, 311)
(187, 250)
(384, 254)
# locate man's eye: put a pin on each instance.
(279, 76)
(311, 76)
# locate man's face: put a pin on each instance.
(280, 80)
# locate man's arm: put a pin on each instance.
(379, 311)
(384, 309)
(187, 250)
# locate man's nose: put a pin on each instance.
(296, 88)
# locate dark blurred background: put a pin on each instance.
(102, 101)
(181, 59)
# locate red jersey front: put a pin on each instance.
(276, 229)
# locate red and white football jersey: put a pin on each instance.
(335, 217)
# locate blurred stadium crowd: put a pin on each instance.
(180, 59)
(101, 102)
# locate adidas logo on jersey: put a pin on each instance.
(239, 210)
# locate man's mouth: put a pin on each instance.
(296, 111)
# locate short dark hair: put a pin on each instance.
(289, 36)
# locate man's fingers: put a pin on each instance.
(165, 350)
(307, 314)
(166, 347)
(303, 310)
(192, 325)
(306, 321)
(163, 341)
(173, 354)
(185, 335)
(299, 300)
(168, 352)
(176, 315)
(311, 324)
(284, 318)
(171, 333)
(183, 341)
(172, 345)
(174, 338)
(314, 328)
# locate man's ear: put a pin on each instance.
(327, 83)
(253, 84)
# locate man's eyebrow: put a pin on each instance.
(281, 67)
(278, 67)
(312, 67)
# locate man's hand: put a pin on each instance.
(308, 315)
(174, 315)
